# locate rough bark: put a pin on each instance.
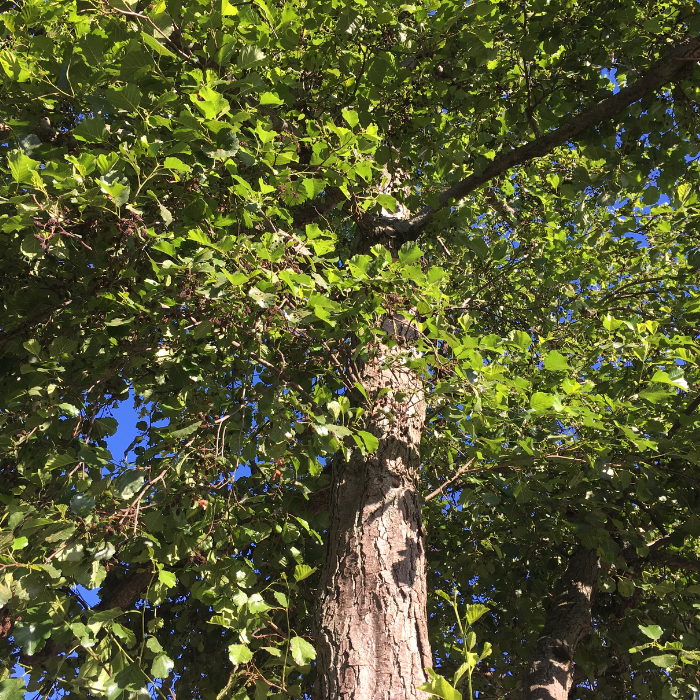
(371, 622)
(550, 672)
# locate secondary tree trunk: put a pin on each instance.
(371, 622)
(551, 670)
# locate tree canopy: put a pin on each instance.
(237, 215)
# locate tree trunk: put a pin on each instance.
(550, 672)
(371, 621)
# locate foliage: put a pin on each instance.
(438, 685)
(184, 190)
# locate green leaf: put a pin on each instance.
(185, 431)
(12, 689)
(250, 56)
(625, 587)
(33, 347)
(127, 98)
(553, 180)
(541, 401)
(654, 396)
(104, 552)
(302, 571)
(460, 672)
(663, 660)
(666, 378)
(106, 162)
(167, 578)
(82, 504)
(257, 604)
(269, 98)
(522, 339)
(606, 584)
(124, 633)
(62, 346)
(128, 484)
(91, 130)
(5, 592)
(239, 654)
(654, 632)
(409, 253)
(165, 214)
(684, 190)
(302, 651)
(105, 615)
(130, 678)
(225, 51)
(94, 49)
(6, 540)
(556, 362)
(351, 117)
(21, 166)
(161, 666)
(480, 247)
(371, 442)
(31, 247)
(262, 299)
(387, 201)
(440, 687)
(281, 598)
(199, 236)
(487, 650)
(227, 145)
(31, 636)
(154, 645)
(106, 425)
(176, 164)
(118, 191)
(236, 278)
(156, 45)
(209, 102)
(474, 612)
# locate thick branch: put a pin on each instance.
(688, 411)
(675, 64)
(658, 555)
(550, 673)
(674, 561)
(308, 213)
(126, 594)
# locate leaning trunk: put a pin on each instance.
(551, 670)
(371, 622)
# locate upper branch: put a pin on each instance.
(673, 65)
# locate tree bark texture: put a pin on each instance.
(550, 672)
(371, 621)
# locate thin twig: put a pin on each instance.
(154, 25)
(444, 247)
(458, 473)
(278, 372)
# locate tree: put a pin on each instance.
(406, 298)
